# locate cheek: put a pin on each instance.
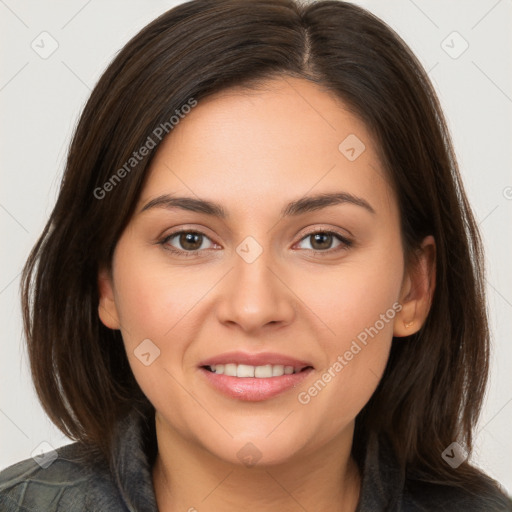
(156, 302)
(351, 296)
(151, 297)
(150, 304)
(358, 303)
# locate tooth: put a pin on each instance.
(277, 370)
(230, 369)
(245, 370)
(263, 371)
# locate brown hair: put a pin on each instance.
(433, 386)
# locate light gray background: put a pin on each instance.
(42, 98)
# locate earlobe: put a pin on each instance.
(417, 291)
(107, 309)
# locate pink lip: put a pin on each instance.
(260, 359)
(254, 389)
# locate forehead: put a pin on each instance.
(249, 148)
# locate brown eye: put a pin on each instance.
(322, 241)
(184, 242)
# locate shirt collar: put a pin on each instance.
(133, 459)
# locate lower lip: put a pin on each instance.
(254, 389)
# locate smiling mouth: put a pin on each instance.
(261, 372)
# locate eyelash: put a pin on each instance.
(345, 242)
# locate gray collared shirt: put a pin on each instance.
(74, 483)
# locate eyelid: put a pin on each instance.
(331, 230)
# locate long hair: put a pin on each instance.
(432, 390)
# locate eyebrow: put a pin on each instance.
(292, 209)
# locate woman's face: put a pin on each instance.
(257, 285)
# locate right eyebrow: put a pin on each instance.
(186, 203)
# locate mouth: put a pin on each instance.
(254, 377)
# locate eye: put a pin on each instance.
(190, 242)
(322, 240)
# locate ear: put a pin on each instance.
(417, 290)
(107, 309)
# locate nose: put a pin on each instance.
(255, 296)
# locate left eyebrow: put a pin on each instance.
(319, 201)
(294, 208)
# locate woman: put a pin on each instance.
(261, 286)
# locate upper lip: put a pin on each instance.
(260, 359)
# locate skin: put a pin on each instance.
(253, 152)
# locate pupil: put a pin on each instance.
(188, 240)
(321, 237)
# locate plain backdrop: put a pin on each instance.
(464, 45)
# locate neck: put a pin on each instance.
(187, 477)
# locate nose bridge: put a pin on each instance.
(254, 295)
